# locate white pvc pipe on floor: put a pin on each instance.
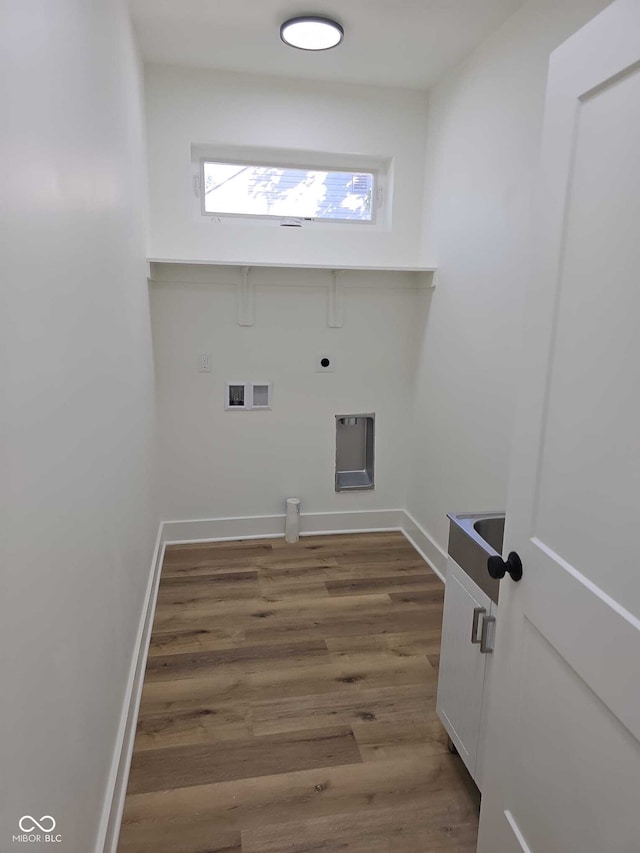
(292, 523)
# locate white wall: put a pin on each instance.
(76, 508)
(485, 120)
(186, 106)
(218, 463)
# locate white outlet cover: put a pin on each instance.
(318, 364)
(204, 362)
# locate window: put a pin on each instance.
(247, 396)
(296, 192)
(236, 396)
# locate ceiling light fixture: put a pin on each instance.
(309, 32)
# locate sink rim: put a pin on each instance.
(470, 551)
(466, 520)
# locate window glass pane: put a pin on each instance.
(279, 191)
(260, 396)
(236, 395)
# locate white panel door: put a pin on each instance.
(562, 772)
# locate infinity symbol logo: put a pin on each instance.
(28, 823)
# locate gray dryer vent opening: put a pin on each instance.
(355, 445)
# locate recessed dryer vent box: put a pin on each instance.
(355, 445)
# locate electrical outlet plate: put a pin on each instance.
(320, 367)
(204, 362)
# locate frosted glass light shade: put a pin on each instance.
(311, 33)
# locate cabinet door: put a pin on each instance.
(462, 666)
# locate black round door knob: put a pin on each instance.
(498, 568)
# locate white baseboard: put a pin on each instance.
(220, 530)
(109, 828)
(271, 526)
(363, 521)
(425, 545)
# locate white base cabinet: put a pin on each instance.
(468, 634)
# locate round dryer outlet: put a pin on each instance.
(325, 363)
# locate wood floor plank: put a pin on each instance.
(387, 584)
(189, 589)
(387, 740)
(289, 704)
(390, 621)
(199, 639)
(390, 556)
(404, 644)
(385, 704)
(293, 562)
(191, 665)
(171, 712)
(206, 720)
(340, 570)
(418, 596)
(215, 578)
(163, 837)
(305, 794)
(215, 551)
(294, 589)
(205, 558)
(199, 764)
(204, 566)
(263, 626)
(245, 613)
(297, 574)
(305, 607)
(437, 824)
(340, 542)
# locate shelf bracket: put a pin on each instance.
(246, 298)
(429, 279)
(335, 313)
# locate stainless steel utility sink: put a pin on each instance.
(473, 538)
(492, 531)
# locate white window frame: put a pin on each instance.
(248, 395)
(379, 167)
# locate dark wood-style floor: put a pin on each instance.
(289, 705)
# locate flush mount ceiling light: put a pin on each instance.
(309, 32)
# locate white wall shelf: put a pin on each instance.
(338, 267)
(246, 277)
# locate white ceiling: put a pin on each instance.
(407, 43)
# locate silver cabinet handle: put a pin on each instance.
(477, 613)
(486, 621)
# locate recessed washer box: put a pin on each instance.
(355, 451)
